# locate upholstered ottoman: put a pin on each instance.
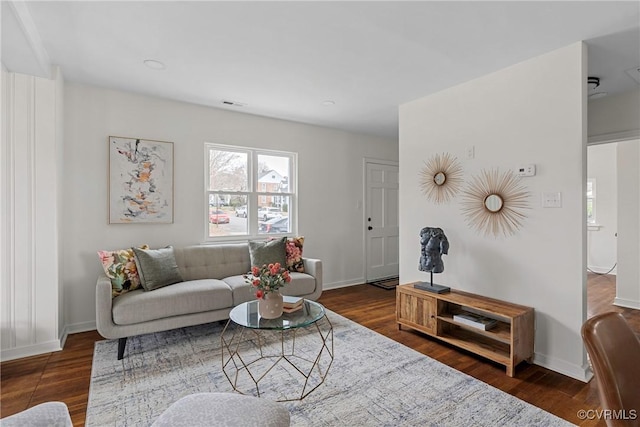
(223, 409)
(50, 414)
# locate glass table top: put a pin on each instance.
(246, 314)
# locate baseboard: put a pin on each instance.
(581, 373)
(30, 350)
(74, 329)
(343, 284)
(80, 327)
(628, 303)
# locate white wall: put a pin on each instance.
(31, 304)
(601, 239)
(615, 117)
(510, 120)
(330, 183)
(628, 279)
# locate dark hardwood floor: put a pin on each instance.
(65, 375)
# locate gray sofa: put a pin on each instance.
(213, 285)
(193, 410)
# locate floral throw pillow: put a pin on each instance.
(294, 254)
(120, 268)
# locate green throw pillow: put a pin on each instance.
(268, 252)
(157, 267)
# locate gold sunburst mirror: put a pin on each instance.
(494, 203)
(441, 178)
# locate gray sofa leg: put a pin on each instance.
(122, 342)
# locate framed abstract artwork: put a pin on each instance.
(140, 181)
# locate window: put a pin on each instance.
(591, 201)
(249, 192)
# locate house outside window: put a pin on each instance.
(591, 201)
(249, 192)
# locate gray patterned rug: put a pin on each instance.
(373, 381)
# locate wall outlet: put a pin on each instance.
(471, 152)
(526, 170)
(552, 200)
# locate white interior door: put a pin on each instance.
(381, 221)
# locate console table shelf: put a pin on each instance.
(501, 332)
(509, 342)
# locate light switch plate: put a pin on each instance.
(471, 152)
(552, 199)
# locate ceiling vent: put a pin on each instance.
(227, 103)
(634, 73)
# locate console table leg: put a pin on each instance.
(510, 370)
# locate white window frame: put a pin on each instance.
(253, 194)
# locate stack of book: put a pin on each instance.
(475, 320)
(291, 304)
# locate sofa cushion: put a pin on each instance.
(213, 261)
(194, 296)
(120, 267)
(301, 284)
(242, 291)
(157, 267)
(269, 252)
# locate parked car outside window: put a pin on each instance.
(241, 211)
(218, 217)
(266, 214)
(275, 225)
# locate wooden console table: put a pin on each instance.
(508, 343)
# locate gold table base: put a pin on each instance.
(255, 365)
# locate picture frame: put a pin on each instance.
(140, 181)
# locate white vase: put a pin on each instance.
(270, 305)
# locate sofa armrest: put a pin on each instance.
(104, 306)
(313, 267)
(44, 414)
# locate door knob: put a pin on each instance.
(370, 228)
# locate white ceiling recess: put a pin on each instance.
(346, 65)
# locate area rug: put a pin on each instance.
(373, 381)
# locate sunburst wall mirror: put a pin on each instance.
(441, 178)
(494, 203)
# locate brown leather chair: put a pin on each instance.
(614, 350)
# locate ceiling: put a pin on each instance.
(286, 59)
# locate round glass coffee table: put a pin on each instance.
(284, 359)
